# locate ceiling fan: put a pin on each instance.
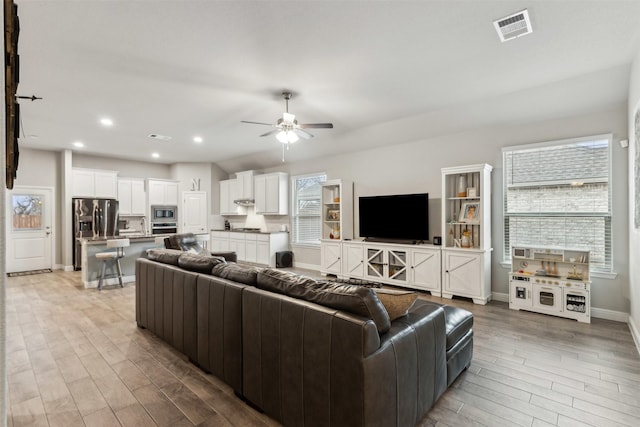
(287, 129)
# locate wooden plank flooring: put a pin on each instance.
(75, 357)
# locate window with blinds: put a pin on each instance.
(306, 217)
(558, 194)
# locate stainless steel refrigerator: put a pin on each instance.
(92, 218)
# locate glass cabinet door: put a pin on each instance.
(398, 265)
(375, 263)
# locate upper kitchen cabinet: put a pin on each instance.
(194, 212)
(228, 191)
(94, 183)
(271, 193)
(131, 196)
(162, 192)
(244, 185)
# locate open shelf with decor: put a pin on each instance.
(336, 201)
(466, 231)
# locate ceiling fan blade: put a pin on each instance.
(271, 132)
(316, 125)
(303, 133)
(257, 123)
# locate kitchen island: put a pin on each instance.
(92, 267)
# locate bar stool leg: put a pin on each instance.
(119, 272)
(104, 267)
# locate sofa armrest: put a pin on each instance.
(409, 368)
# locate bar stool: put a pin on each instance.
(113, 257)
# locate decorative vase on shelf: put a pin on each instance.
(462, 186)
(466, 239)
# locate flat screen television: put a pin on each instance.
(395, 217)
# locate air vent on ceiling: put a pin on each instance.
(513, 26)
(161, 137)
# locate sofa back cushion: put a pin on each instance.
(165, 256)
(353, 299)
(199, 263)
(240, 273)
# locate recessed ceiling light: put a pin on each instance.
(78, 144)
(197, 139)
(155, 155)
(105, 121)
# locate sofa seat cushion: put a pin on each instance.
(198, 263)
(240, 273)
(354, 299)
(396, 302)
(165, 256)
(458, 323)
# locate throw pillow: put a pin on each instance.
(165, 256)
(396, 302)
(198, 263)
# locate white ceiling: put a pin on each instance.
(383, 72)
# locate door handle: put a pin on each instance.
(48, 232)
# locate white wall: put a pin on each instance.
(415, 167)
(125, 168)
(634, 235)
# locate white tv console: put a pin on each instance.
(413, 266)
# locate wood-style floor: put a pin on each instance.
(75, 357)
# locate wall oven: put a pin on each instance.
(164, 213)
(164, 228)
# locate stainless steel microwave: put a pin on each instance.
(164, 213)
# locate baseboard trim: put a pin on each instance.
(306, 266)
(600, 313)
(68, 268)
(616, 316)
(499, 296)
(635, 333)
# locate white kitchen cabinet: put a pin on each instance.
(258, 248)
(467, 273)
(425, 266)
(131, 197)
(94, 183)
(353, 260)
(162, 192)
(264, 249)
(251, 247)
(219, 241)
(244, 183)
(271, 193)
(330, 257)
(237, 244)
(194, 212)
(228, 193)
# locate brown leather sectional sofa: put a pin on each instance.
(280, 342)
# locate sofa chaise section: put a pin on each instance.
(310, 365)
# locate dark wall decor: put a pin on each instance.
(11, 78)
(636, 166)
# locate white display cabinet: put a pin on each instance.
(466, 232)
(337, 210)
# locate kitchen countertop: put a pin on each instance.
(252, 232)
(136, 237)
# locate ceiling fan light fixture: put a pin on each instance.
(287, 137)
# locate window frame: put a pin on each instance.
(607, 269)
(294, 213)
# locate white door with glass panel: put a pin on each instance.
(29, 232)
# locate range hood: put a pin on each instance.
(245, 202)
